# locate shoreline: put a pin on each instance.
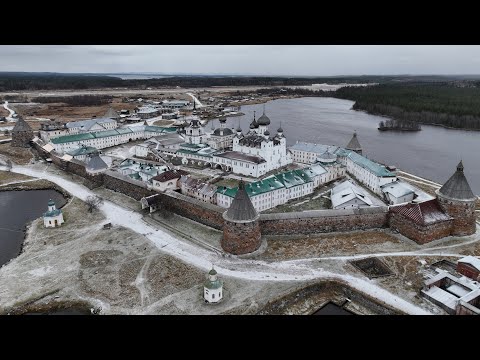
(421, 123)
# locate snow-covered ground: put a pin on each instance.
(10, 117)
(255, 270)
(122, 151)
(198, 104)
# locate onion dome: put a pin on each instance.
(223, 132)
(280, 130)
(213, 282)
(267, 133)
(264, 120)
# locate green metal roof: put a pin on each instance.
(52, 213)
(293, 178)
(107, 133)
(124, 131)
(373, 167)
(83, 150)
(72, 138)
(135, 176)
(184, 151)
(283, 180)
(192, 146)
(212, 285)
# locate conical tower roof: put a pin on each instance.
(353, 144)
(21, 125)
(96, 163)
(457, 186)
(241, 208)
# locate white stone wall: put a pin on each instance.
(141, 150)
(47, 135)
(370, 180)
(164, 186)
(213, 295)
(53, 221)
(105, 142)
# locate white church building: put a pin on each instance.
(53, 217)
(213, 288)
(256, 152)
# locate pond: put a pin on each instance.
(17, 209)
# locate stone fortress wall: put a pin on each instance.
(307, 222)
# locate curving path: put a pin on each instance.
(197, 102)
(12, 112)
(293, 270)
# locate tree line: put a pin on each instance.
(441, 103)
(76, 100)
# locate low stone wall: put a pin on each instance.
(194, 209)
(418, 233)
(119, 183)
(308, 300)
(321, 221)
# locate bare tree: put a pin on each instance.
(93, 202)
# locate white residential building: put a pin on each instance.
(368, 172)
(308, 153)
(348, 195)
(398, 192)
(274, 190)
(105, 139)
(91, 125)
(198, 189)
(169, 180)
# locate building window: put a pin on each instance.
(213, 296)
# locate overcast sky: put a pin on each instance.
(297, 60)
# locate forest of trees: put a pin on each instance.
(76, 100)
(394, 124)
(440, 103)
(51, 81)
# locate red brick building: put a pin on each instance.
(421, 222)
(469, 266)
(451, 213)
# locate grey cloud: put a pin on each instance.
(244, 59)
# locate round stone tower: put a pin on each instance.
(22, 133)
(457, 200)
(241, 230)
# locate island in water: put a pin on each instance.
(399, 125)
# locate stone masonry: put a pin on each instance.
(463, 213)
(241, 238)
(421, 234)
